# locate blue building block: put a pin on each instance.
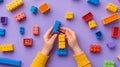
(62, 52)
(2, 32)
(56, 26)
(33, 9)
(98, 34)
(10, 61)
(94, 2)
(22, 30)
(1, 1)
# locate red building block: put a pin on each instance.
(27, 41)
(87, 17)
(115, 31)
(95, 48)
(35, 30)
(20, 16)
(119, 0)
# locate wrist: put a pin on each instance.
(45, 51)
(77, 49)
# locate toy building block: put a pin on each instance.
(44, 7)
(56, 26)
(10, 61)
(111, 45)
(87, 17)
(1, 1)
(62, 52)
(115, 31)
(98, 34)
(118, 57)
(118, 0)
(61, 41)
(69, 15)
(6, 47)
(35, 30)
(93, 2)
(108, 63)
(95, 48)
(22, 30)
(92, 24)
(20, 16)
(2, 32)
(14, 5)
(112, 7)
(27, 41)
(33, 9)
(111, 18)
(4, 20)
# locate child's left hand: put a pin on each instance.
(49, 39)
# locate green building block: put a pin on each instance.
(108, 63)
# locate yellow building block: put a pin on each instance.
(61, 41)
(92, 24)
(61, 45)
(14, 5)
(118, 57)
(110, 18)
(112, 7)
(69, 15)
(6, 47)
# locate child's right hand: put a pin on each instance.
(72, 40)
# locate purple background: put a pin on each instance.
(57, 12)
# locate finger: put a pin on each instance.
(52, 39)
(48, 31)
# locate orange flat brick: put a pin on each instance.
(20, 16)
(27, 41)
(35, 30)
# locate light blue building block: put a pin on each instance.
(22, 30)
(94, 2)
(56, 26)
(2, 32)
(10, 61)
(98, 34)
(62, 52)
(33, 9)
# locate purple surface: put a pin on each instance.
(58, 9)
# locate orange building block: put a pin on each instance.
(111, 18)
(27, 41)
(35, 30)
(44, 7)
(115, 31)
(95, 48)
(20, 16)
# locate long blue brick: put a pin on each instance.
(62, 52)
(56, 26)
(94, 2)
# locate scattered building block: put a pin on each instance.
(2, 32)
(108, 63)
(95, 48)
(118, 0)
(93, 2)
(44, 7)
(69, 15)
(22, 30)
(1, 1)
(115, 31)
(10, 61)
(20, 16)
(87, 17)
(14, 5)
(6, 47)
(118, 57)
(111, 18)
(61, 41)
(27, 41)
(33, 9)
(92, 24)
(112, 7)
(56, 26)
(35, 30)
(4, 20)
(62, 52)
(98, 34)
(111, 45)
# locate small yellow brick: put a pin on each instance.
(119, 57)
(92, 24)
(6, 47)
(69, 15)
(61, 45)
(112, 7)
(61, 41)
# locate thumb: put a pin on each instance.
(52, 39)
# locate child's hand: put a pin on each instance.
(49, 39)
(71, 38)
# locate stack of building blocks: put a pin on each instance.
(95, 48)
(33, 9)
(56, 26)
(112, 7)
(2, 32)
(10, 61)
(35, 30)
(111, 45)
(108, 63)
(111, 18)
(14, 5)
(92, 24)
(93, 2)
(87, 17)
(20, 16)
(69, 15)
(6, 47)
(22, 30)
(1, 1)
(115, 31)
(4, 20)
(98, 34)
(118, 57)
(27, 41)
(44, 7)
